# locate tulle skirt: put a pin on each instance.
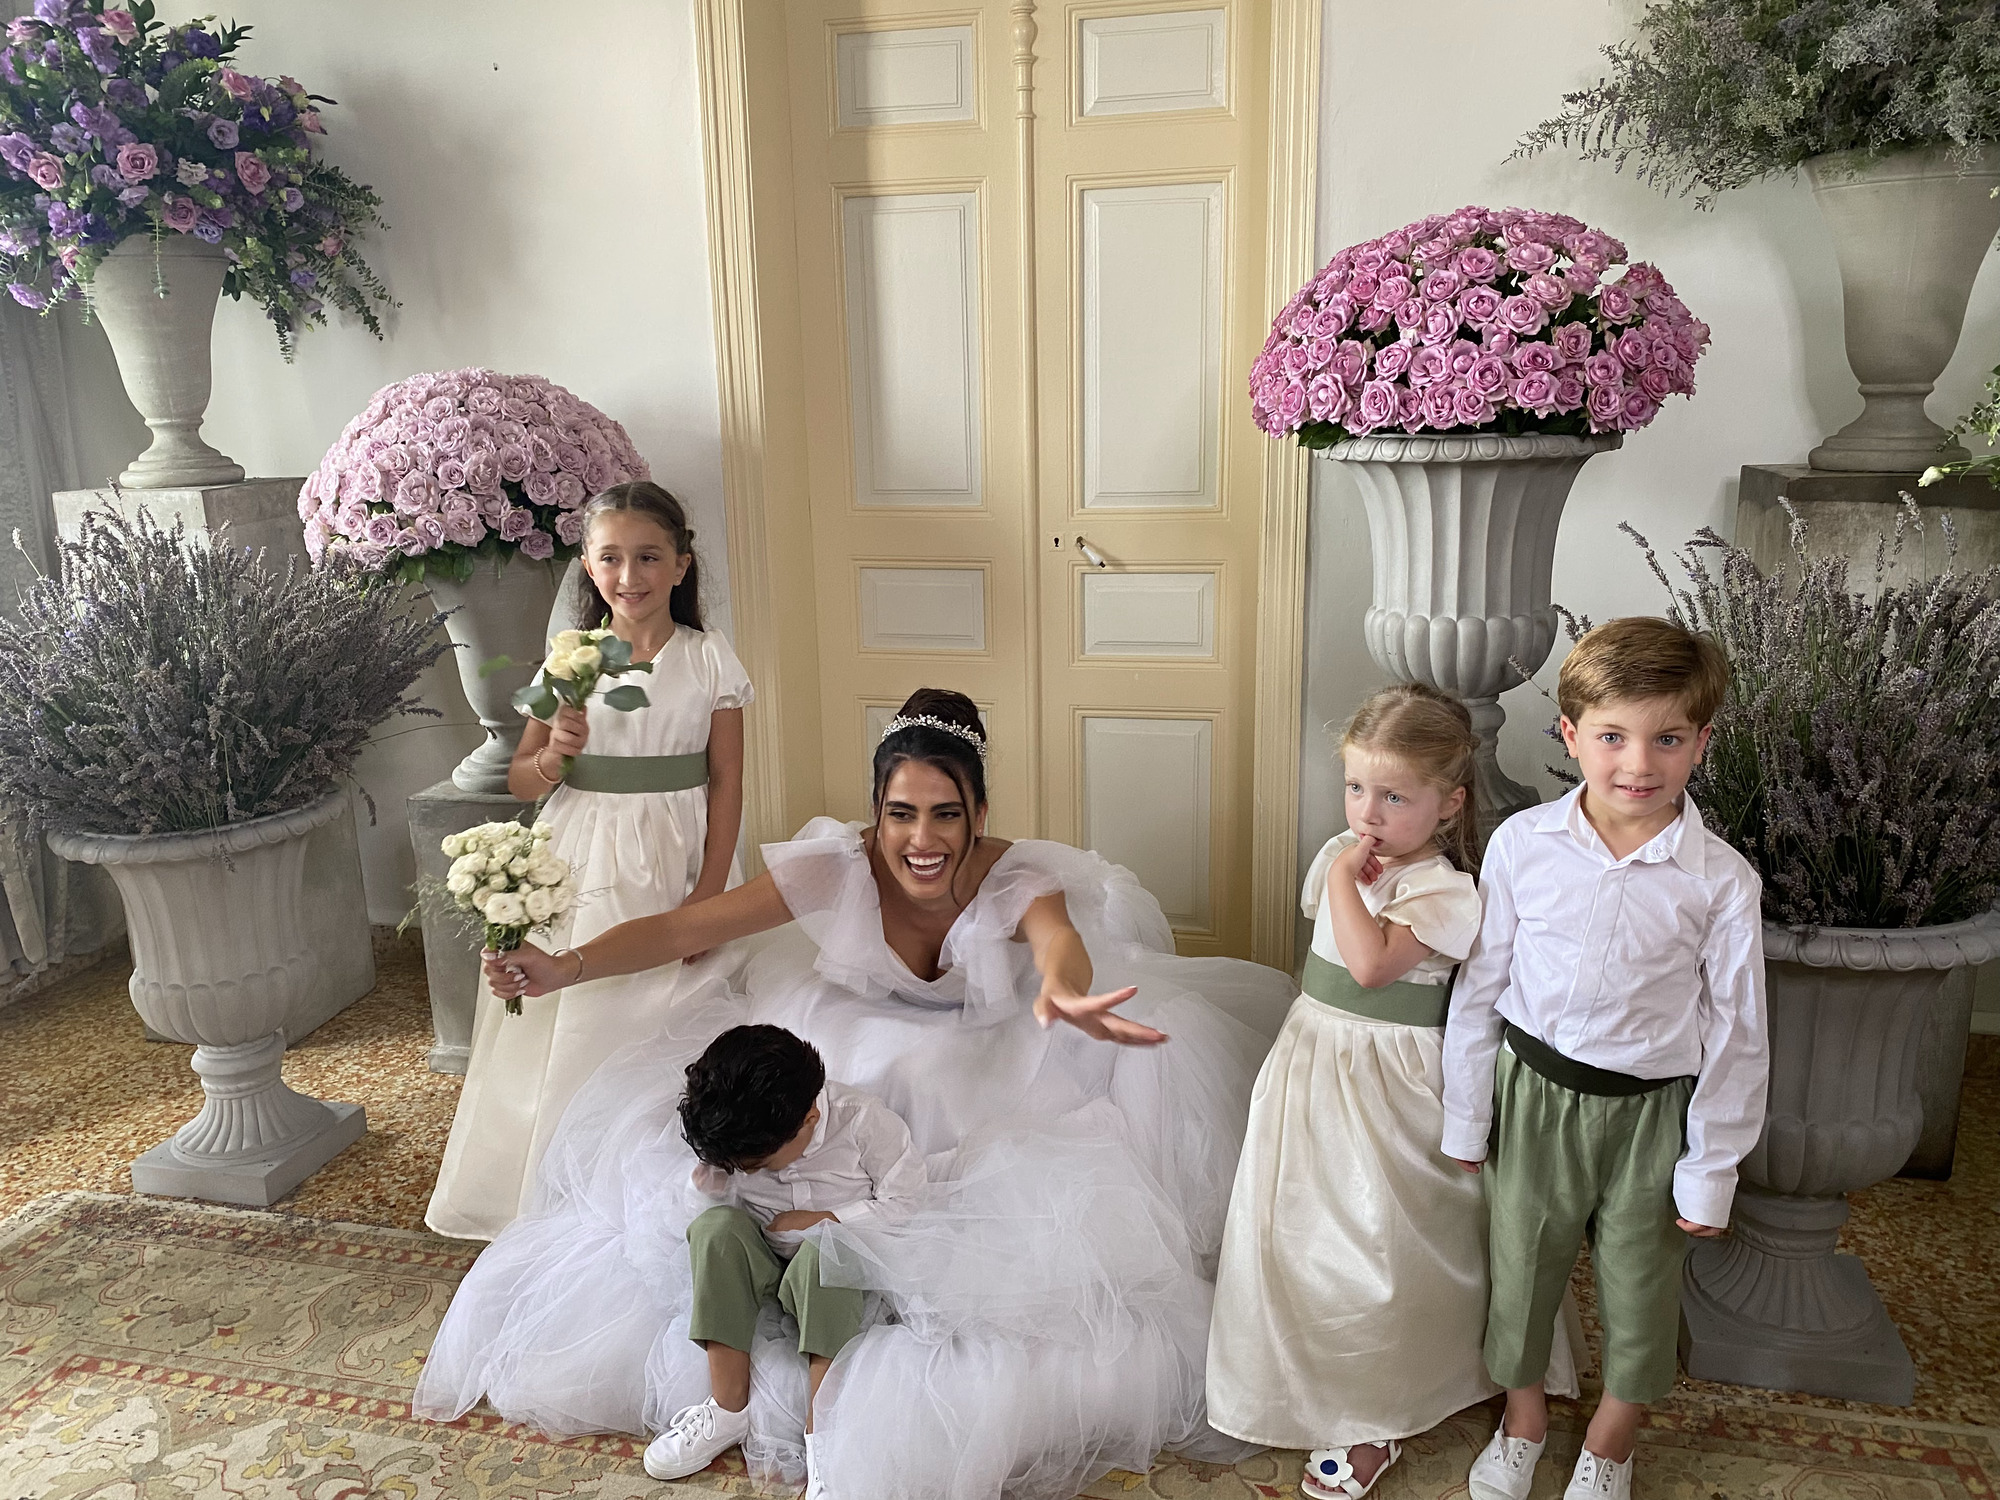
(1040, 1315)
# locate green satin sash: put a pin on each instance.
(1401, 1003)
(638, 773)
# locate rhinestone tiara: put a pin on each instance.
(912, 721)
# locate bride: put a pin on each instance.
(1041, 1315)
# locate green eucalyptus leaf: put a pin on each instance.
(497, 664)
(627, 697)
(617, 653)
(538, 699)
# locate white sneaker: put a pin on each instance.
(1506, 1469)
(1599, 1479)
(696, 1438)
(815, 1486)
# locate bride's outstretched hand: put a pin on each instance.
(1091, 1014)
(524, 971)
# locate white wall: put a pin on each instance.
(542, 178)
(543, 184)
(1419, 110)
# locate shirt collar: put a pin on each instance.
(1683, 841)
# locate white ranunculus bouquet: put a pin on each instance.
(507, 873)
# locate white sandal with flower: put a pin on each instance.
(1330, 1476)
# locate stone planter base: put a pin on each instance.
(257, 1181)
(1776, 1263)
(1774, 1305)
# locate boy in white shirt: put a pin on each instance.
(785, 1150)
(1620, 957)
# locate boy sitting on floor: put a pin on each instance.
(786, 1150)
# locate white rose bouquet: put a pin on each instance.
(577, 662)
(508, 875)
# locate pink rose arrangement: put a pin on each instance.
(114, 124)
(442, 470)
(1485, 320)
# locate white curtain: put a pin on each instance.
(50, 910)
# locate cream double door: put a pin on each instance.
(1032, 258)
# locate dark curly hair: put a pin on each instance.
(748, 1094)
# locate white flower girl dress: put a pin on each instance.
(633, 854)
(1044, 1310)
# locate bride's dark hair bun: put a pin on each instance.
(957, 755)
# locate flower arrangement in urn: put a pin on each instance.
(1507, 321)
(442, 470)
(167, 683)
(1856, 759)
(1715, 94)
(115, 124)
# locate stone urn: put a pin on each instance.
(498, 611)
(1463, 532)
(1910, 231)
(219, 959)
(1773, 1305)
(156, 300)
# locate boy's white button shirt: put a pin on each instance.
(860, 1162)
(1651, 965)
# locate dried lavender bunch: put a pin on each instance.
(1856, 760)
(1714, 94)
(158, 682)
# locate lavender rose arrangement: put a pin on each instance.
(1482, 321)
(442, 470)
(114, 124)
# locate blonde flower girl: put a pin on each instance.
(646, 807)
(1350, 1304)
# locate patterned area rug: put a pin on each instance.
(151, 1350)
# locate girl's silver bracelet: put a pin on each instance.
(579, 963)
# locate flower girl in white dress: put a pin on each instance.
(1042, 1307)
(646, 806)
(1350, 1307)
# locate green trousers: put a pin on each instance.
(1563, 1167)
(736, 1272)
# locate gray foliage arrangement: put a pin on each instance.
(160, 683)
(1856, 759)
(1714, 94)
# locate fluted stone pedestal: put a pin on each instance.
(263, 513)
(1462, 532)
(451, 962)
(1775, 1304)
(1845, 516)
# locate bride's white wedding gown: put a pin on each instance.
(1045, 1309)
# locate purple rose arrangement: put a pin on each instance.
(114, 124)
(443, 470)
(1482, 321)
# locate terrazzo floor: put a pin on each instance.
(85, 1092)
